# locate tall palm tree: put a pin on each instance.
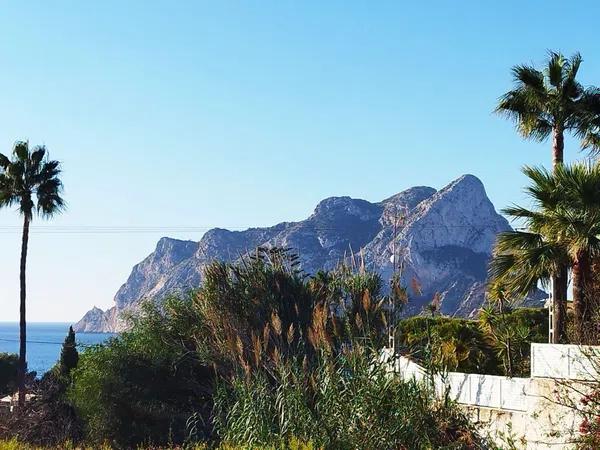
(552, 102)
(31, 182)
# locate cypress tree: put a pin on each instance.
(69, 357)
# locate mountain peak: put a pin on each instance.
(467, 181)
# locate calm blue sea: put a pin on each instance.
(44, 341)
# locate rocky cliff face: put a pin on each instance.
(443, 241)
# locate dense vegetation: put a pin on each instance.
(260, 355)
(475, 346)
(343, 402)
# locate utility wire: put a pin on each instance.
(45, 342)
(165, 229)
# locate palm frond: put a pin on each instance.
(529, 77)
(21, 151)
(555, 68)
(30, 181)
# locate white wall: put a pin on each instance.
(526, 408)
(470, 389)
(566, 362)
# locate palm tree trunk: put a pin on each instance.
(23, 324)
(559, 303)
(581, 268)
(558, 146)
(559, 281)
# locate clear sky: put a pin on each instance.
(238, 114)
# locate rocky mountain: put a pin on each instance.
(443, 240)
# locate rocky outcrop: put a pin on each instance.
(443, 240)
(94, 320)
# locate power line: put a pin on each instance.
(44, 342)
(94, 229)
(31, 342)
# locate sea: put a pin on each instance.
(44, 342)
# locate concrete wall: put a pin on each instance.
(544, 424)
(539, 412)
(565, 362)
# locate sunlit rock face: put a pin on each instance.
(443, 243)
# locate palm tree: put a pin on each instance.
(563, 229)
(31, 182)
(576, 225)
(552, 102)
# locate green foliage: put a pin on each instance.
(292, 444)
(562, 229)
(509, 340)
(290, 357)
(8, 372)
(145, 385)
(264, 307)
(264, 298)
(457, 344)
(343, 401)
(465, 346)
(153, 383)
(535, 319)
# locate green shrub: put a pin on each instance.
(464, 345)
(536, 319)
(144, 386)
(455, 344)
(8, 373)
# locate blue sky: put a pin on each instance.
(237, 114)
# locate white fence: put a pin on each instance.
(471, 389)
(572, 362)
(524, 407)
(487, 390)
